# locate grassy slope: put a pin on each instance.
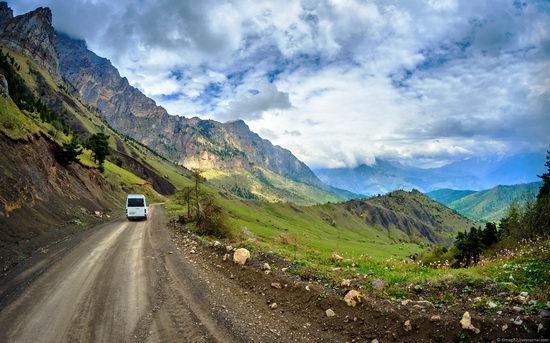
(13, 123)
(268, 186)
(447, 196)
(318, 231)
(17, 124)
(409, 204)
(492, 204)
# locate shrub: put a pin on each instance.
(212, 219)
(68, 152)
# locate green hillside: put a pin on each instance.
(487, 205)
(77, 117)
(393, 225)
(266, 185)
(447, 195)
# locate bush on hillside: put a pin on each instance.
(68, 152)
(98, 143)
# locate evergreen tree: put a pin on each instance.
(69, 151)
(545, 188)
(475, 245)
(489, 235)
(541, 211)
(99, 145)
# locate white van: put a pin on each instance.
(136, 206)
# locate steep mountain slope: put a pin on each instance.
(474, 173)
(411, 212)
(192, 142)
(490, 204)
(42, 201)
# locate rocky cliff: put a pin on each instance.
(193, 142)
(31, 34)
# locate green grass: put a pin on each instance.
(268, 186)
(13, 123)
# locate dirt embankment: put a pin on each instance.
(41, 201)
(301, 305)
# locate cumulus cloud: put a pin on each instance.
(251, 104)
(338, 82)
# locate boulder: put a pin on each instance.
(435, 318)
(378, 284)
(228, 248)
(330, 313)
(241, 255)
(521, 299)
(407, 325)
(273, 306)
(345, 283)
(336, 258)
(266, 266)
(276, 285)
(352, 297)
(466, 323)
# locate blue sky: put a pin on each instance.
(338, 82)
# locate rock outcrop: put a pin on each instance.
(33, 35)
(4, 91)
(5, 13)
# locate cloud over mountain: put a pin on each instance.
(424, 82)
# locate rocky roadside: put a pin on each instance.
(304, 310)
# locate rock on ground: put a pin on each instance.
(241, 255)
(407, 325)
(466, 323)
(336, 258)
(352, 297)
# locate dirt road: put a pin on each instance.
(127, 281)
(152, 282)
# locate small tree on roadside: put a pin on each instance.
(98, 143)
(185, 195)
(198, 179)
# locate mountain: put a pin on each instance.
(42, 201)
(447, 196)
(412, 212)
(487, 205)
(194, 143)
(474, 173)
(32, 34)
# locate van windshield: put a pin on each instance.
(135, 202)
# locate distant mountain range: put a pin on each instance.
(474, 173)
(487, 205)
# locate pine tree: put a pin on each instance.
(489, 235)
(99, 145)
(69, 151)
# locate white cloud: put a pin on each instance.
(419, 81)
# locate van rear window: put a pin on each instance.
(135, 202)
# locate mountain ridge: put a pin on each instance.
(476, 174)
(486, 205)
(192, 142)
